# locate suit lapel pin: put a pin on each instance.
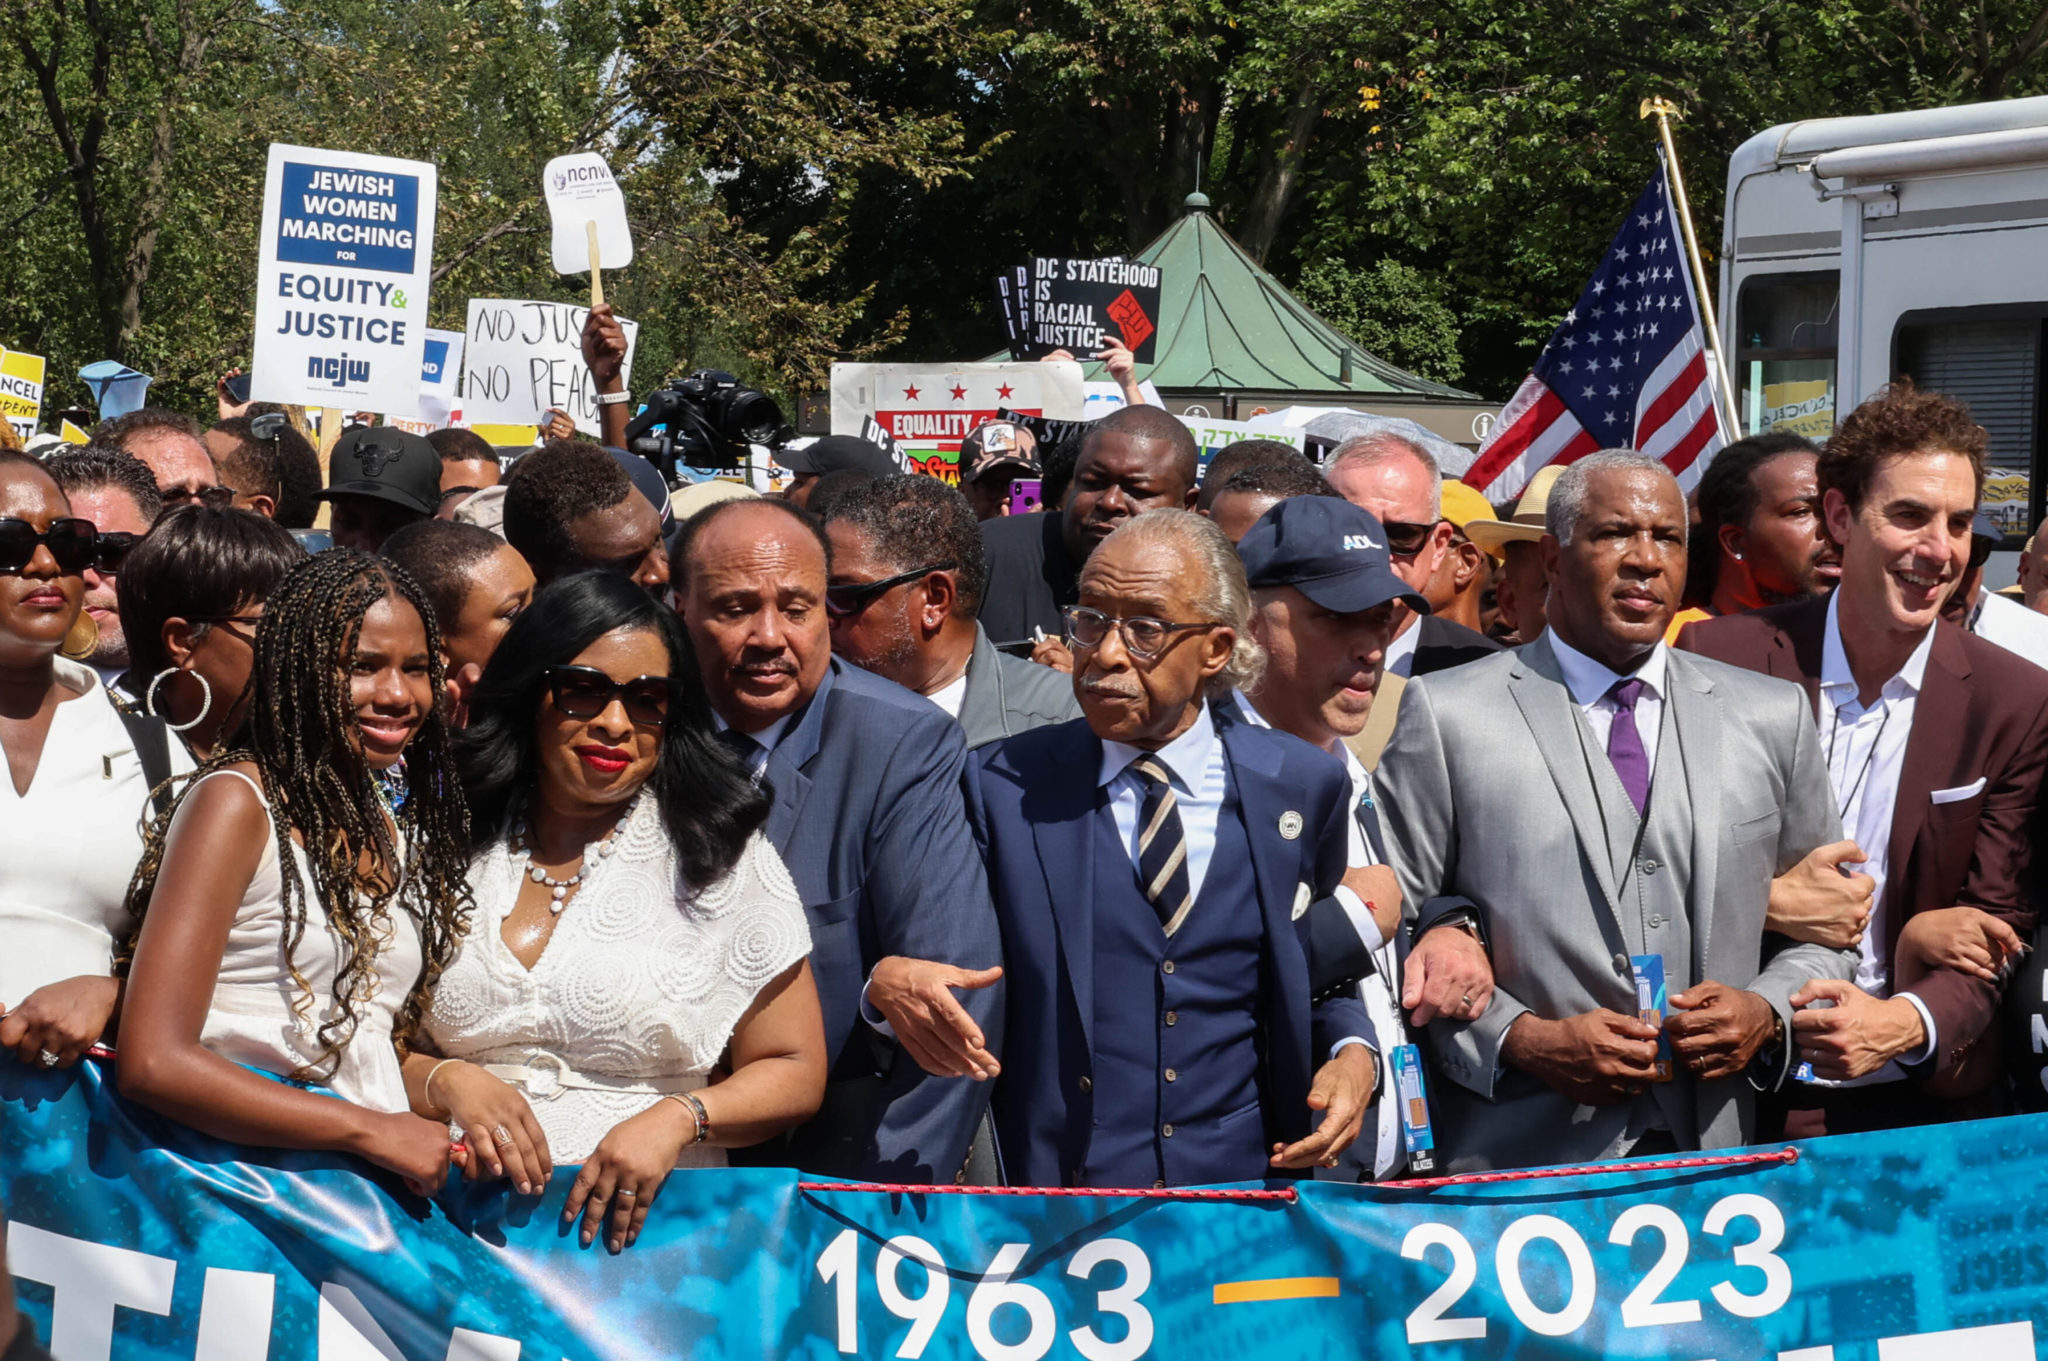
(1290, 824)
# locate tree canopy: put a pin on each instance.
(836, 179)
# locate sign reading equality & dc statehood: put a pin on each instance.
(21, 390)
(523, 357)
(929, 408)
(341, 283)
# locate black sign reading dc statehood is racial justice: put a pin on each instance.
(1082, 305)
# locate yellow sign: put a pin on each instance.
(21, 390)
(71, 434)
(1806, 408)
(506, 436)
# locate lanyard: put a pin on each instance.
(1834, 729)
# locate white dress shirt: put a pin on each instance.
(1589, 681)
(1358, 852)
(1866, 752)
(1194, 766)
(766, 739)
(2011, 625)
(1400, 655)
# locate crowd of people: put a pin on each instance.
(546, 815)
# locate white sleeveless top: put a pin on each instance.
(252, 1021)
(637, 992)
(69, 846)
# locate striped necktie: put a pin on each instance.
(1162, 846)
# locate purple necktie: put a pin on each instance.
(1625, 744)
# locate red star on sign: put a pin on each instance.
(959, 393)
(911, 393)
(1003, 392)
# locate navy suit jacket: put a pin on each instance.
(1033, 800)
(868, 816)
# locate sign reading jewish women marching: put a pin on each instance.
(929, 408)
(1080, 306)
(137, 1239)
(524, 357)
(341, 282)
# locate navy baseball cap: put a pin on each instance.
(1328, 549)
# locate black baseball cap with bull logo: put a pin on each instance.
(385, 464)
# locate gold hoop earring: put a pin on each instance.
(82, 638)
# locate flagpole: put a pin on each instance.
(1663, 110)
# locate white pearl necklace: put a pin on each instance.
(559, 889)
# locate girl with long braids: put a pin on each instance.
(291, 921)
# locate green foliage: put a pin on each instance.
(1395, 311)
(843, 178)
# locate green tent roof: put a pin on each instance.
(1226, 324)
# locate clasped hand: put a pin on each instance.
(64, 1018)
(1605, 1058)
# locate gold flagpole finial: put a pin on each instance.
(1657, 106)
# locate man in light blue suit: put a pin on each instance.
(1153, 871)
(869, 818)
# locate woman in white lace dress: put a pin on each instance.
(634, 933)
(291, 919)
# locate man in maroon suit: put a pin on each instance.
(1936, 744)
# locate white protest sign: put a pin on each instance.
(440, 384)
(347, 250)
(929, 408)
(521, 358)
(580, 189)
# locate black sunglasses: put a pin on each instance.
(1405, 539)
(112, 550)
(845, 601)
(213, 498)
(71, 541)
(586, 692)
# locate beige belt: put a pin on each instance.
(545, 1076)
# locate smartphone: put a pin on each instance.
(237, 389)
(1025, 495)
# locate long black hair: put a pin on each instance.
(300, 735)
(706, 797)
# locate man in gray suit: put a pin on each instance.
(908, 572)
(1612, 807)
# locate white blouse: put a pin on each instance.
(256, 1017)
(69, 846)
(636, 993)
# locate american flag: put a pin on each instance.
(1628, 366)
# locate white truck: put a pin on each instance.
(1856, 249)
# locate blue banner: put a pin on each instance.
(132, 1236)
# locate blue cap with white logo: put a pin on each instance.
(1328, 549)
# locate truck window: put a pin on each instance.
(1991, 358)
(1785, 352)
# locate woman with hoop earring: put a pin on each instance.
(75, 792)
(191, 594)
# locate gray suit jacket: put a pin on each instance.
(1007, 695)
(1494, 788)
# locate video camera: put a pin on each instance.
(708, 419)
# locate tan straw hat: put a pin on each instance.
(1526, 524)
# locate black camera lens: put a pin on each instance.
(752, 416)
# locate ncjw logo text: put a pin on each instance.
(341, 371)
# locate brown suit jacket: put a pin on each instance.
(1982, 714)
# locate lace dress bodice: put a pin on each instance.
(637, 991)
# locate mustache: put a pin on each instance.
(766, 666)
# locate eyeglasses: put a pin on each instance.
(71, 541)
(213, 498)
(249, 621)
(1405, 538)
(268, 426)
(586, 692)
(845, 601)
(1145, 638)
(112, 550)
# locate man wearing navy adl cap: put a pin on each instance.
(829, 455)
(1323, 597)
(379, 480)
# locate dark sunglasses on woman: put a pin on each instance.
(586, 692)
(74, 543)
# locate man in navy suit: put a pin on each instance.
(1152, 869)
(869, 818)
